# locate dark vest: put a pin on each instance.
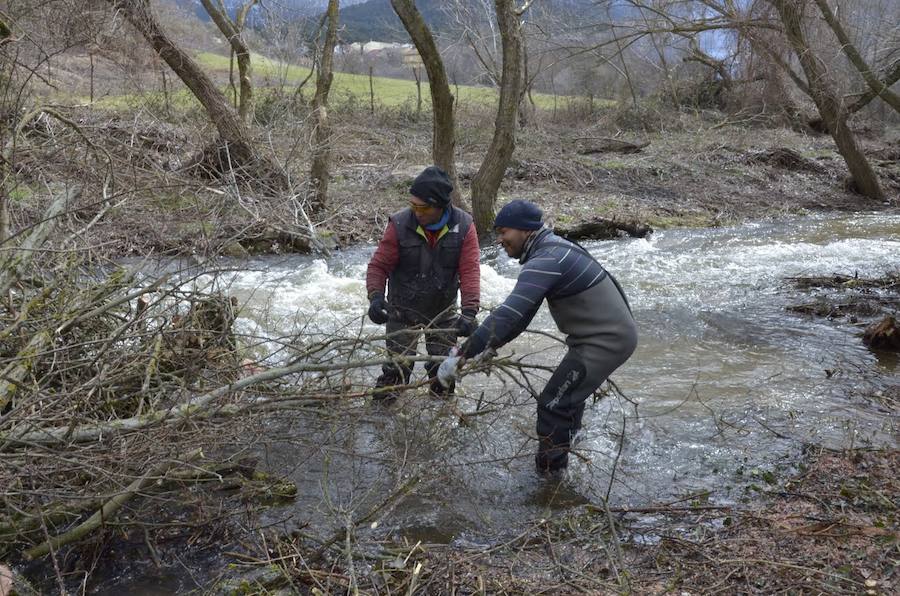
(425, 282)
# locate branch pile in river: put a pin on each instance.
(117, 386)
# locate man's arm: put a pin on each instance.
(383, 261)
(470, 272)
(512, 317)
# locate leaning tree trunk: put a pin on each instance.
(232, 30)
(487, 181)
(322, 138)
(443, 141)
(231, 130)
(875, 84)
(828, 103)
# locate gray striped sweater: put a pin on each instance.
(552, 268)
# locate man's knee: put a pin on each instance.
(561, 387)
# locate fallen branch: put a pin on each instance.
(104, 513)
(608, 145)
(601, 228)
(192, 407)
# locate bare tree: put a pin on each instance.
(233, 29)
(827, 101)
(487, 180)
(443, 141)
(233, 133)
(878, 86)
(322, 135)
(816, 80)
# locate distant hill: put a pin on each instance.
(367, 20)
(376, 20)
(284, 9)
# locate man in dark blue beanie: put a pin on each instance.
(427, 256)
(520, 215)
(587, 305)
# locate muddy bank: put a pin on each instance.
(830, 528)
(695, 172)
(692, 176)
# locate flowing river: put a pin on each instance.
(727, 385)
(724, 391)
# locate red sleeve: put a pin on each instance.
(470, 271)
(383, 261)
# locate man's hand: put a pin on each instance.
(466, 323)
(447, 371)
(485, 357)
(378, 312)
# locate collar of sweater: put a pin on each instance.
(532, 241)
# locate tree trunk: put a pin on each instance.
(443, 140)
(322, 138)
(232, 31)
(487, 180)
(418, 94)
(525, 88)
(828, 103)
(231, 129)
(371, 90)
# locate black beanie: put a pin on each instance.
(432, 186)
(521, 215)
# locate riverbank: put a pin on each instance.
(672, 169)
(693, 173)
(833, 528)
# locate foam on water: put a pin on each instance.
(720, 363)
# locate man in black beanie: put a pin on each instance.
(587, 305)
(428, 254)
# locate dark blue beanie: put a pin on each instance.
(521, 215)
(432, 186)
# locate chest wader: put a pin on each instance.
(601, 335)
(422, 292)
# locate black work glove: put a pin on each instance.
(378, 312)
(466, 323)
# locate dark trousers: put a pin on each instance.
(403, 340)
(560, 406)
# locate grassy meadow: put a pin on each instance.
(271, 76)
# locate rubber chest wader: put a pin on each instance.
(601, 335)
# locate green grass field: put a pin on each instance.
(388, 92)
(346, 88)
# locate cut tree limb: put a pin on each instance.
(601, 228)
(108, 510)
(21, 256)
(195, 406)
(608, 145)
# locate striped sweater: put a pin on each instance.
(552, 268)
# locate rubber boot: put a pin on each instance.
(551, 460)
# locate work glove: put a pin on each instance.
(448, 369)
(466, 323)
(378, 312)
